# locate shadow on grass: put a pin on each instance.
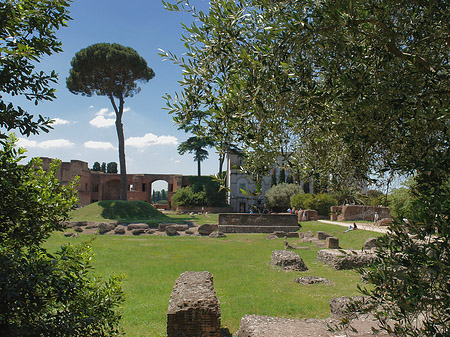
(129, 210)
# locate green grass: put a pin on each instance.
(243, 278)
(134, 211)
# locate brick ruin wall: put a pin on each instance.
(358, 212)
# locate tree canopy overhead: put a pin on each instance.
(27, 33)
(347, 87)
(113, 71)
(110, 70)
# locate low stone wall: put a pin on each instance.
(257, 223)
(358, 212)
(199, 209)
(307, 215)
(194, 309)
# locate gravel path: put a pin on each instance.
(365, 226)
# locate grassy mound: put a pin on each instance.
(118, 210)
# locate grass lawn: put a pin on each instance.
(244, 281)
(134, 211)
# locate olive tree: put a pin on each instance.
(113, 71)
(348, 88)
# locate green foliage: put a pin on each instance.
(371, 81)
(401, 203)
(301, 200)
(282, 177)
(273, 177)
(290, 179)
(111, 167)
(278, 198)
(27, 33)
(158, 196)
(196, 145)
(186, 196)
(321, 202)
(215, 195)
(411, 276)
(43, 294)
(347, 195)
(374, 198)
(106, 69)
(103, 167)
(124, 210)
(96, 167)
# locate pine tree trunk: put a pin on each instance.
(121, 138)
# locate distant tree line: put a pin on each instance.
(158, 197)
(106, 168)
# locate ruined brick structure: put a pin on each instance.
(194, 309)
(358, 212)
(98, 186)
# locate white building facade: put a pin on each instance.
(241, 186)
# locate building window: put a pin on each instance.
(95, 188)
(143, 187)
(86, 187)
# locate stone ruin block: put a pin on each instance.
(339, 305)
(332, 243)
(133, 226)
(194, 310)
(120, 229)
(266, 326)
(322, 235)
(207, 229)
(171, 230)
(345, 259)
(162, 227)
(306, 280)
(288, 260)
(370, 243)
(307, 215)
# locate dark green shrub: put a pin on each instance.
(43, 294)
(322, 202)
(400, 203)
(302, 201)
(186, 196)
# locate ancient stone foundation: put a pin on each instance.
(345, 259)
(257, 223)
(307, 215)
(194, 310)
(358, 212)
(287, 260)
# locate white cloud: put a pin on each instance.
(150, 139)
(176, 161)
(59, 121)
(99, 145)
(47, 144)
(102, 122)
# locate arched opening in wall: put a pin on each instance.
(160, 194)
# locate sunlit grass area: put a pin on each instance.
(243, 278)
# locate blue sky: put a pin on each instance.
(85, 125)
